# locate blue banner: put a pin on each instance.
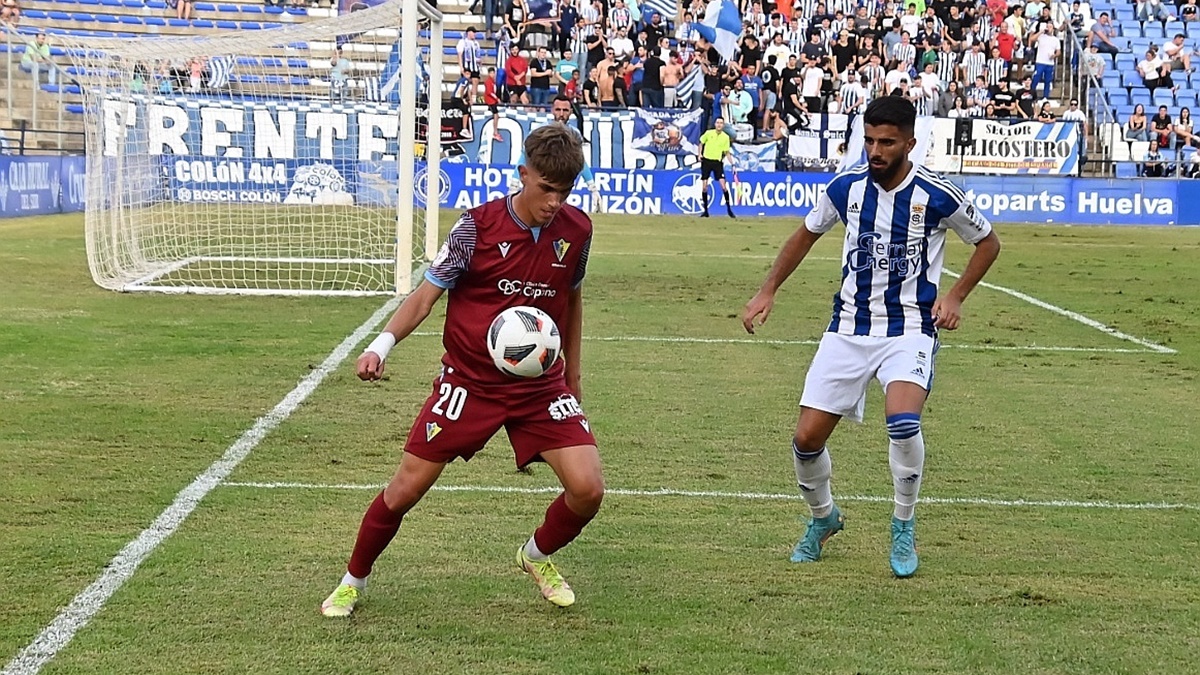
(666, 132)
(72, 182)
(192, 178)
(1080, 201)
(29, 186)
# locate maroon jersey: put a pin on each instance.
(492, 261)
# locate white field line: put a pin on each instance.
(91, 600)
(1076, 316)
(736, 256)
(774, 496)
(762, 341)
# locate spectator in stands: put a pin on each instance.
(516, 76)
(738, 103)
(1183, 129)
(591, 89)
(1155, 73)
(1176, 54)
(565, 69)
(1135, 126)
(37, 62)
(1189, 11)
(564, 31)
(672, 76)
(1153, 9)
(195, 69)
(989, 111)
(1162, 128)
(185, 9)
(620, 86)
(1045, 114)
(162, 76)
(959, 111)
(339, 73)
(491, 98)
(541, 70)
(1004, 100)
(1093, 65)
(1102, 35)
(1025, 98)
(470, 54)
(1153, 165)
(1076, 21)
(141, 75)
(10, 13)
(1047, 47)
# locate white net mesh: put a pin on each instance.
(281, 161)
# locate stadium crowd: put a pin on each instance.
(951, 58)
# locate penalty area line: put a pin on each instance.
(1075, 316)
(59, 632)
(752, 496)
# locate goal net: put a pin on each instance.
(265, 159)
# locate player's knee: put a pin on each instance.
(400, 498)
(903, 426)
(587, 495)
(807, 442)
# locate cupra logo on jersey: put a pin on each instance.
(528, 289)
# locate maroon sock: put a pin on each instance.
(379, 526)
(561, 526)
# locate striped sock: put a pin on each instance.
(813, 472)
(906, 457)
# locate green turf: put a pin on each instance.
(110, 404)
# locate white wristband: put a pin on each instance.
(381, 345)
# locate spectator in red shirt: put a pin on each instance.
(999, 11)
(492, 101)
(516, 76)
(1006, 41)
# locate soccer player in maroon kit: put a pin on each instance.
(526, 249)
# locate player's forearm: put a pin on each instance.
(413, 311)
(793, 252)
(986, 252)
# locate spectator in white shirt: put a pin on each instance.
(1048, 46)
(1176, 54)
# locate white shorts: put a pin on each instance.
(844, 365)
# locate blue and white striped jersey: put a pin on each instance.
(895, 244)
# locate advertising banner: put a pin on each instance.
(72, 181)
(192, 178)
(29, 186)
(999, 147)
(666, 132)
(1077, 201)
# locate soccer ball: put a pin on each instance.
(524, 342)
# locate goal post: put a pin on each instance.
(269, 160)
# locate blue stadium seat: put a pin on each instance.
(1117, 96)
(1123, 13)
(227, 25)
(111, 3)
(88, 2)
(269, 25)
(179, 23)
(201, 23)
(155, 21)
(1163, 97)
(74, 108)
(1129, 29)
(1126, 170)
(107, 18)
(297, 63)
(1112, 80)
(1174, 28)
(252, 25)
(128, 18)
(251, 9)
(156, 4)
(57, 16)
(205, 7)
(273, 9)
(247, 79)
(1141, 96)
(83, 18)
(228, 8)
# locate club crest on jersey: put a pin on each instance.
(431, 431)
(504, 246)
(918, 214)
(560, 248)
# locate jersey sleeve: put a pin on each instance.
(581, 268)
(455, 257)
(970, 224)
(823, 216)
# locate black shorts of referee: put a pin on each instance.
(712, 168)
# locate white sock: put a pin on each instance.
(360, 584)
(813, 471)
(906, 457)
(531, 550)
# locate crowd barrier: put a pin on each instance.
(46, 185)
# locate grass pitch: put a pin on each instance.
(110, 404)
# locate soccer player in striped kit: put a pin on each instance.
(886, 316)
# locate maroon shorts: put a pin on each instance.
(460, 416)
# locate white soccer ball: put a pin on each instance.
(524, 342)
